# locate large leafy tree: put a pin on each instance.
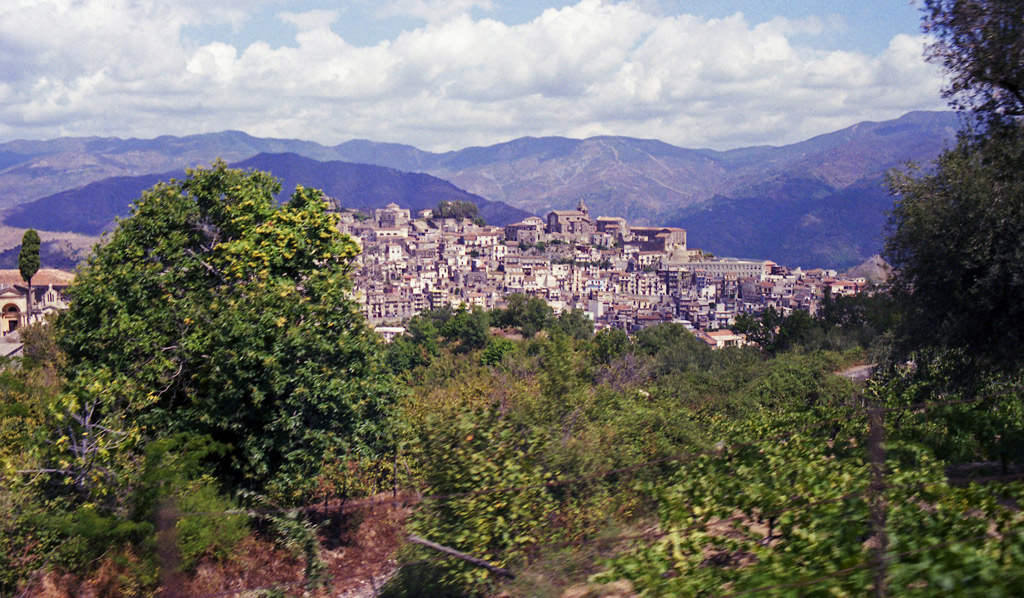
(956, 232)
(213, 310)
(957, 241)
(981, 44)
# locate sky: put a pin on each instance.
(448, 74)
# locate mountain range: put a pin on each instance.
(819, 202)
(93, 208)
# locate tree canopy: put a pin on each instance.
(28, 260)
(459, 209)
(213, 310)
(956, 231)
(957, 240)
(981, 45)
(28, 257)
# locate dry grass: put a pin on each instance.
(10, 237)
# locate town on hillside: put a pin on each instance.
(620, 276)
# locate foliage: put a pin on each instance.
(28, 257)
(985, 429)
(956, 230)
(479, 450)
(981, 44)
(497, 348)
(609, 344)
(841, 324)
(787, 510)
(529, 314)
(574, 324)
(674, 347)
(215, 311)
(956, 239)
(459, 209)
(798, 511)
(862, 317)
(468, 329)
(28, 395)
(558, 373)
(28, 260)
(174, 477)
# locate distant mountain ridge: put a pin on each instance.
(819, 202)
(93, 208)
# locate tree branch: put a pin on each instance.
(462, 555)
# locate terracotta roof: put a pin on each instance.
(44, 277)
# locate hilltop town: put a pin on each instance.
(620, 276)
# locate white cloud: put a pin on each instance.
(123, 67)
(314, 19)
(432, 10)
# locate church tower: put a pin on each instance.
(582, 208)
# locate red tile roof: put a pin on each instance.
(44, 277)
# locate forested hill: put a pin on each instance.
(93, 208)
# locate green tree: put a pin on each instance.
(956, 232)
(469, 328)
(28, 261)
(529, 314)
(761, 329)
(574, 324)
(497, 348)
(795, 329)
(212, 310)
(956, 240)
(609, 344)
(981, 45)
(459, 209)
(459, 456)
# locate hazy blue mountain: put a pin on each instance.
(797, 222)
(648, 180)
(92, 209)
(34, 169)
(391, 155)
(821, 196)
(368, 186)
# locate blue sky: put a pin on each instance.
(866, 25)
(445, 74)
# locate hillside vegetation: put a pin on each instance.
(212, 416)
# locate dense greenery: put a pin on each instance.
(980, 43)
(792, 508)
(212, 357)
(842, 323)
(956, 232)
(213, 310)
(459, 209)
(957, 242)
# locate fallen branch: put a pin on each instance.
(462, 555)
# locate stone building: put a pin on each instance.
(48, 286)
(574, 223)
(529, 231)
(391, 216)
